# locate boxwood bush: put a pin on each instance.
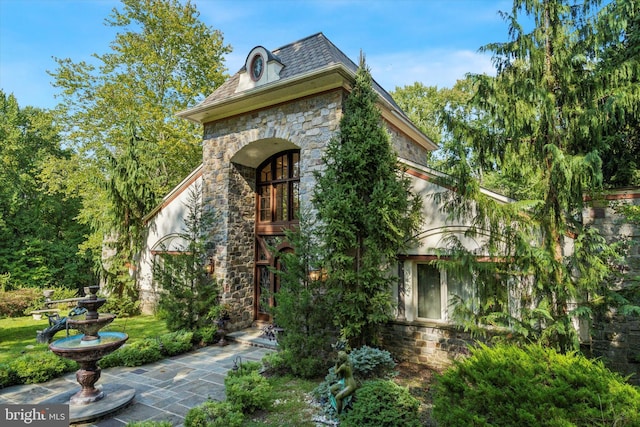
(39, 367)
(382, 403)
(214, 414)
(174, 343)
(134, 354)
(247, 389)
(512, 386)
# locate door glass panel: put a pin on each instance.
(295, 199)
(264, 287)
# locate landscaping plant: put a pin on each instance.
(247, 389)
(214, 414)
(302, 309)
(367, 214)
(382, 403)
(188, 292)
(367, 363)
(533, 385)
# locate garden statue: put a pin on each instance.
(342, 390)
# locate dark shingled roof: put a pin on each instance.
(308, 54)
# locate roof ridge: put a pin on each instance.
(319, 33)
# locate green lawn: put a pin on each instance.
(18, 334)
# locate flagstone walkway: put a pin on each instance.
(165, 390)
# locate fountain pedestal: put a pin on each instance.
(87, 376)
(87, 349)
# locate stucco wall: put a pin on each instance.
(162, 229)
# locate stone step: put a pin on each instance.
(253, 336)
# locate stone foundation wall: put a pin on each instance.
(425, 344)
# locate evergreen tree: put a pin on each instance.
(130, 196)
(302, 306)
(545, 138)
(189, 295)
(366, 214)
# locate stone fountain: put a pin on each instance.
(87, 348)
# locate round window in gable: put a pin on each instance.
(257, 67)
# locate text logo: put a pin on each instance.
(34, 415)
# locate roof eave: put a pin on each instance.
(321, 80)
(316, 81)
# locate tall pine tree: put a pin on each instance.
(366, 213)
(546, 138)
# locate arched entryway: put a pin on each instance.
(277, 209)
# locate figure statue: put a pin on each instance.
(342, 390)
(57, 324)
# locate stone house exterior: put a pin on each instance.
(264, 134)
(614, 337)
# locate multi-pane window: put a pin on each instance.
(437, 292)
(278, 188)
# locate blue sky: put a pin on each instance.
(434, 42)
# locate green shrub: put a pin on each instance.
(511, 386)
(134, 354)
(19, 302)
(121, 306)
(248, 391)
(150, 424)
(382, 403)
(275, 363)
(8, 375)
(369, 362)
(174, 343)
(245, 368)
(205, 335)
(214, 414)
(304, 308)
(36, 368)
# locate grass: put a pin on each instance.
(18, 334)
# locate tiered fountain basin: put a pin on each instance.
(80, 350)
(87, 348)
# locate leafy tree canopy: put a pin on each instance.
(39, 237)
(162, 60)
(539, 132)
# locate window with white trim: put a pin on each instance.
(438, 292)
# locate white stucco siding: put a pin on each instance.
(436, 225)
(164, 226)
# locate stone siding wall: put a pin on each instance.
(407, 148)
(614, 337)
(435, 346)
(228, 188)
